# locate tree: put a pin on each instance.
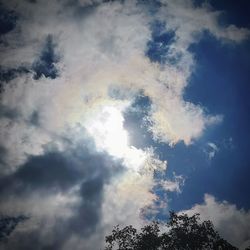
(181, 233)
(8, 225)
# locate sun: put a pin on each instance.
(106, 127)
(108, 132)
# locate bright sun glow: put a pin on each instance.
(106, 127)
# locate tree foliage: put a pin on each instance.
(182, 232)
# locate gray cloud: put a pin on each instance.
(8, 20)
(78, 172)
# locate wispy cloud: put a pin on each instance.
(211, 149)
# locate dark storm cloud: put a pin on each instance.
(57, 172)
(9, 74)
(88, 214)
(41, 172)
(8, 20)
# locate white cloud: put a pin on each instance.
(174, 185)
(116, 52)
(232, 223)
(189, 20)
(189, 23)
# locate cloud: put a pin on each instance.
(75, 193)
(231, 222)
(211, 150)
(8, 20)
(57, 189)
(61, 62)
(189, 20)
(126, 45)
(174, 185)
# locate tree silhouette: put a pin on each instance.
(8, 225)
(181, 233)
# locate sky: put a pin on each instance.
(116, 112)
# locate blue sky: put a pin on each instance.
(225, 87)
(117, 112)
(220, 83)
